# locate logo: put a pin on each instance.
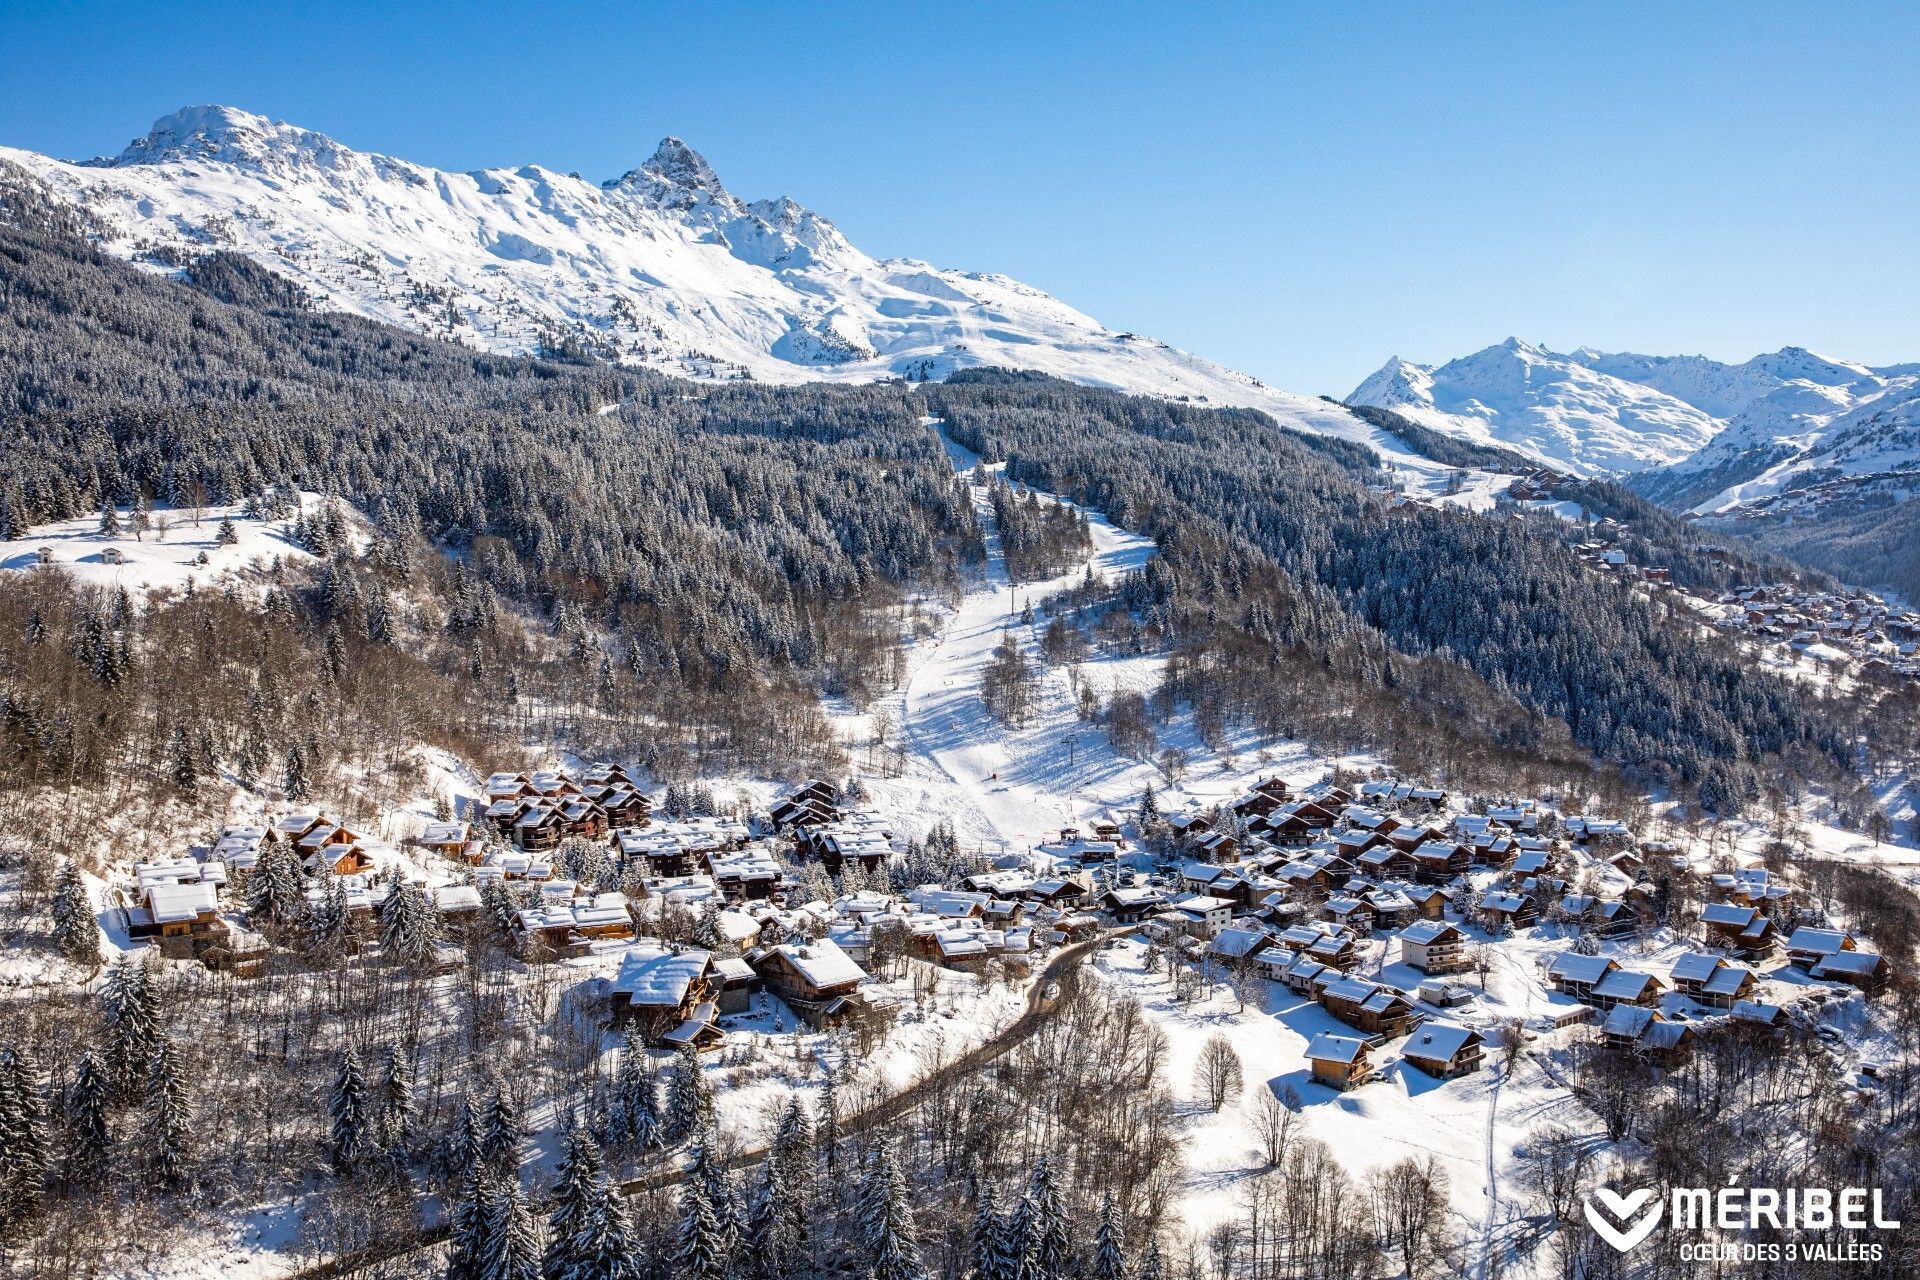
(1622, 1208)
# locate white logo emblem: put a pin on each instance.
(1629, 1233)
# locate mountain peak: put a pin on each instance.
(225, 135)
(679, 164)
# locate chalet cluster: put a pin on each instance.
(1861, 626)
(535, 812)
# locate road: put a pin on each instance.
(1040, 1006)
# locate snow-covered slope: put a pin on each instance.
(661, 266)
(1556, 408)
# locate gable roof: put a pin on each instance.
(1328, 1047)
(1440, 1041)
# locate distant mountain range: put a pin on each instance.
(1794, 449)
(661, 266)
(664, 266)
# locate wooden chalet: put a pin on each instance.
(1438, 861)
(816, 978)
(1647, 1034)
(1435, 947)
(1711, 980)
(1809, 946)
(1444, 1049)
(1508, 909)
(669, 995)
(1866, 970)
(1339, 1062)
(1371, 1007)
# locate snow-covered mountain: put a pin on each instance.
(1556, 408)
(1700, 434)
(661, 266)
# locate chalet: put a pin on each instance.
(1645, 1033)
(1218, 846)
(1392, 907)
(1809, 946)
(1386, 861)
(1711, 980)
(1238, 944)
(1444, 1049)
(1863, 969)
(458, 904)
(539, 828)
(1064, 894)
(1435, 947)
(1494, 849)
(747, 875)
(1129, 905)
(1350, 844)
(1262, 800)
(239, 847)
(668, 995)
(1283, 827)
(816, 979)
(1189, 825)
(1353, 914)
(737, 982)
(185, 916)
(1339, 1062)
(1606, 917)
(949, 904)
(1371, 1007)
(1756, 1014)
(860, 836)
(1200, 915)
(1365, 818)
(1430, 902)
(1626, 986)
(1438, 861)
(1506, 909)
(1576, 975)
(448, 839)
(1411, 836)
(1742, 930)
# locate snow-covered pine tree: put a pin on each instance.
(24, 1157)
(1149, 808)
(169, 1113)
(764, 1250)
(76, 930)
(329, 924)
(886, 1224)
(826, 1127)
(689, 1098)
(397, 1109)
(89, 1141)
(467, 1248)
(636, 1096)
(347, 1114)
(409, 925)
(990, 1243)
(791, 1161)
(579, 1191)
(512, 1237)
(706, 930)
(274, 895)
(1152, 1265)
(132, 1008)
(496, 903)
(182, 769)
(1046, 1244)
(109, 520)
(228, 535)
(1109, 1245)
(700, 1244)
(500, 1131)
(294, 782)
(603, 1247)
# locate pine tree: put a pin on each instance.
(330, 922)
(764, 1251)
(578, 1189)
(274, 895)
(182, 769)
(791, 1168)
(132, 1008)
(496, 903)
(513, 1236)
(637, 1095)
(689, 1098)
(500, 1131)
(397, 1110)
(1149, 807)
(887, 1227)
(1109, 1245)
(89, 1141)
(1152, 1266)
(468, 1249)
(109, 520)
(24, 1156)
(347, 1114)
(294, 783)
(700, 1245)
(990, 1242)
(826, 1127)
(409, 925)
(228, 535)
(1045, 1244)
(169, 1114)
(76, 930)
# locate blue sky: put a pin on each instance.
(1298, 192)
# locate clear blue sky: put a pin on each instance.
(1297, 192)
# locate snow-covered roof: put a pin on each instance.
(821, 962)
(1327, 1047)
(650, 975)
(172, 902)
(1439, 1041)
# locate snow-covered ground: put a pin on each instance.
(180, 548)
